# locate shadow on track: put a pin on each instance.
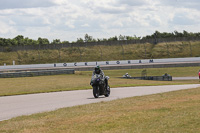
(96, 98)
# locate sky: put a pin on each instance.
(68, 20)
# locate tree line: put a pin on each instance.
(21, 40)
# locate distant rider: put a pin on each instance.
(126, 75)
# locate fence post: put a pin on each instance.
(1, 48)
(101, 52)
(24, 47)
(80, 54)
(145, 50)
(167, 50)
(190, 49)
(59, 55)
(39, 56)
(19, 58)
(122, 51)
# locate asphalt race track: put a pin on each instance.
(185, 78)
(13, 106)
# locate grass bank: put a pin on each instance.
(166, 112)
(81, 80)
(103, 53)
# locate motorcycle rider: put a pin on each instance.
(97, 70)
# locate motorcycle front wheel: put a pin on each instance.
(96, 91)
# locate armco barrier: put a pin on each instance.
(138, 66)
(36, 73)
(108, 67)
(159, 78)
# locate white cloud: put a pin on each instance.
(11, 4)
(191, 4)
(5, 28)
(85, 25)
(134, 3)
(69, 20)
(70, 24)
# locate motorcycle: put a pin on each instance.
(100, 87)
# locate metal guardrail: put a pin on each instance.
(159, 78)
(36, 73)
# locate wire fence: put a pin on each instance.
(87, 44)
(101, 51)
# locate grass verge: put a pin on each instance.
(176, 111)
(81, 80)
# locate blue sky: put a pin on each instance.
(72, 19)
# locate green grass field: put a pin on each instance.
(166, 112)
(103, 53)
(81, 80)
(176, 112)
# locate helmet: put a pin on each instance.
(97, 69)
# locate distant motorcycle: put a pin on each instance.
(126, 76)
(99, 86)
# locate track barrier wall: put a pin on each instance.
(35, 73)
